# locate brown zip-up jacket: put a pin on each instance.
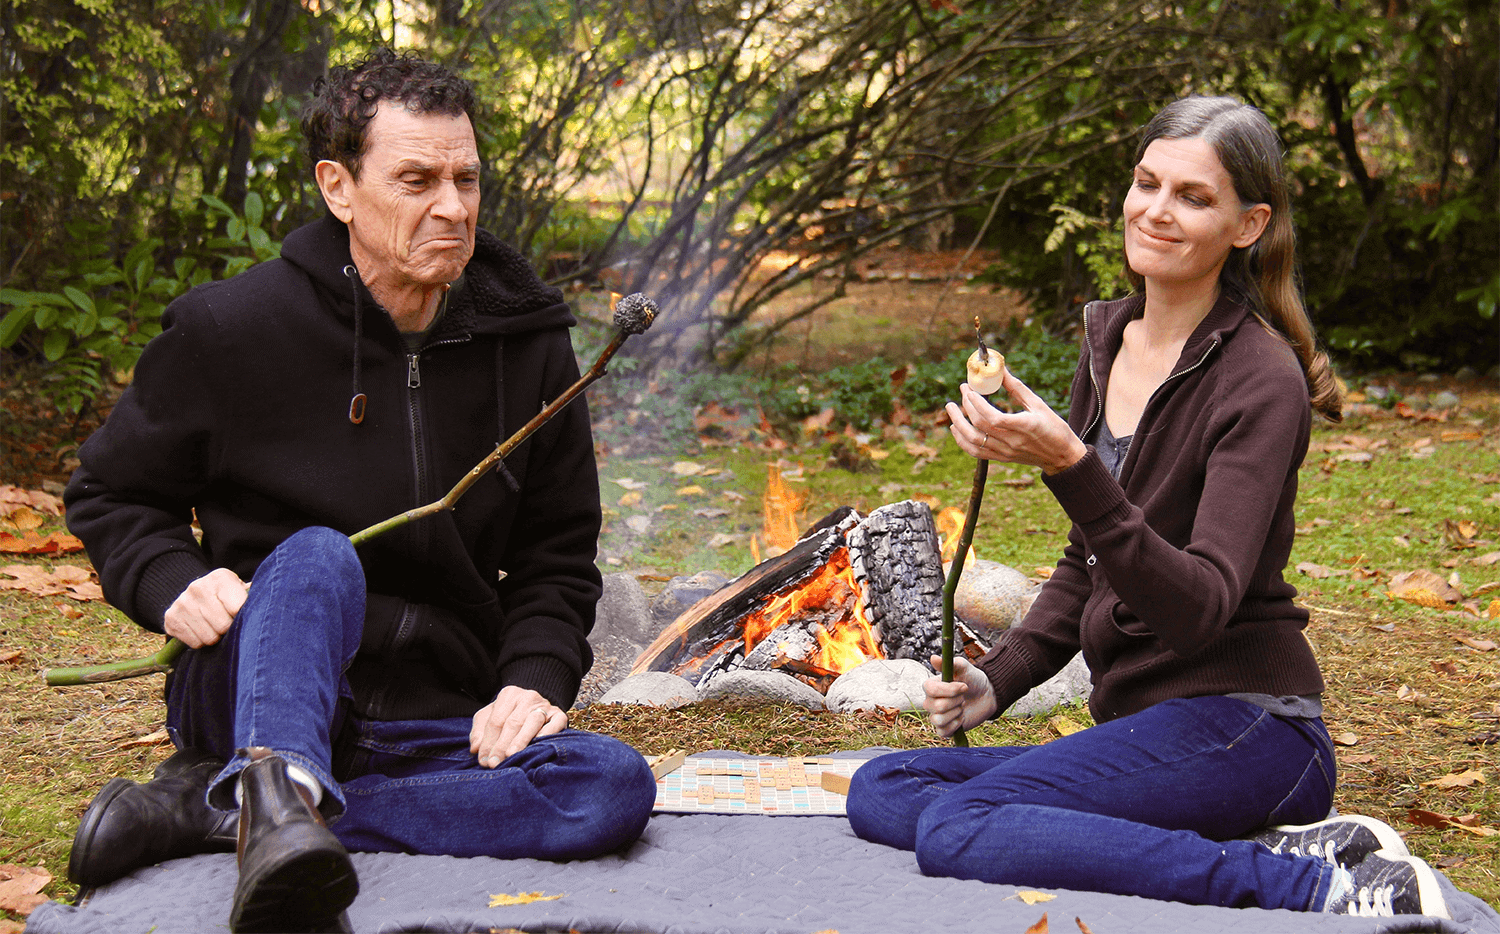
(1171, 582)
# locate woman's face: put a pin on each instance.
(1182, 214)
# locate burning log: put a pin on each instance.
(633, 314)
(850, 590)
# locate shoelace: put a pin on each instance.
(1373, 903)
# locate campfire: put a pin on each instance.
(852, 589)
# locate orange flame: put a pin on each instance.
(950, 525)
(780, 506)
(845, 641)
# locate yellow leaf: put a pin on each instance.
(633, 498)
(1064, 726)
(1457, 780)
(687, 469)
(1034, 898)
(521, 898)
(23, 518)
(1040, 927)
(1346, 739)
(693, 490)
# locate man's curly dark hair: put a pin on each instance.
(335, 122)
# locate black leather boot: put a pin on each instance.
(129, 825)
(294, 873)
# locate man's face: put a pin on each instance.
(412, 212)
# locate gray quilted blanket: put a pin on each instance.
(700, 874)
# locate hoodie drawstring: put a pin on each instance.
(357, 400)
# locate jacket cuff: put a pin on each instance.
(162, 582)
(1009, 674)
(1086, 491)
(548, 676)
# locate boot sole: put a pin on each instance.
(306, 892)
(83, 839)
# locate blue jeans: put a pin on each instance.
(277, 680)
(1145, 805)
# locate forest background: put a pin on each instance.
(727, 155)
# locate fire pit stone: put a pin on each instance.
(884, 682)
(772, 687)
(652, 688)
(993, 597)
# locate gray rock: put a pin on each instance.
(622, 629)
(884, 682)
(771, 687)
(1068, 685)
(1445, 400)
(992, 597)
(656, 688)
(1376, 393)
(681, 593)
(1466, 373)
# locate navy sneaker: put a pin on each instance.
(1343, 841)
(1385, 884)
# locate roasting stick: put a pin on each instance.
(980, 363)
(633, 314)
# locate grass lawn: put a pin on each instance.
(1414, 690)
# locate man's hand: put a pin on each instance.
(514, 718)
(966, 701)
(201, 614)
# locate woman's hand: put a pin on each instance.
(1035, 435)
(966, 701)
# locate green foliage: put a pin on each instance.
(861, 392)
(931, 384)
(1045, 363)
(98, 314)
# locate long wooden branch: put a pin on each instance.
(633, 315)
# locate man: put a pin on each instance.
(412, 695)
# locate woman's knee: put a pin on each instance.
(876, 791)
(945, 841)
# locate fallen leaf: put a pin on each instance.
(521, 898)
(691, 490)
(1064, 726)
(1424, 588)
(154, 738)
(1346, 739)
(1407, 693)
(1385, 627)
(1486, 560)
(9, 655)
(1401, 541)
(1045, 573)
(1083, 928)
(916, 449)
(64, 580)
(1461, 533)
(1355, 457)
(720, 539)
(19, 888)
(1313, 570)
(1469, 435)
(1493, 610)
(1457, 780)
(1031, 897)
(686, 469)
(633, 498)
(630, 484)
(1483, 645)
(1040, 927)
(816, 423)
(1019, 483)
(29, 543)
(40, 500)
(1443, 822)
(22, 518)
(712, 512)
(1358, 760)
(1445, 668)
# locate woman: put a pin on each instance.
(1190, 416)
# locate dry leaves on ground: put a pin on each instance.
(1469, 822)
(30, 543)
(20, 887)
(1424, 588)
(14, 498)
(65, 580)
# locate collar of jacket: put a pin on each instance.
(1104, 331)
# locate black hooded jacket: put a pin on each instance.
(240, 413)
